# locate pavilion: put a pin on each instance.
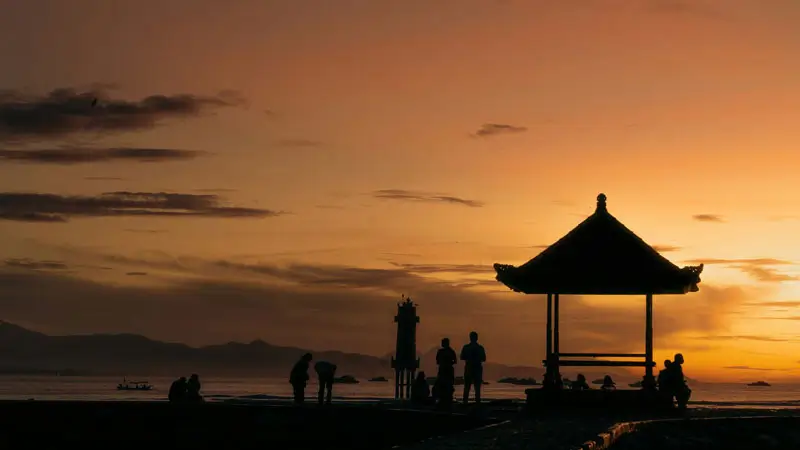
(599, 257)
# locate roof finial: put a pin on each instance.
(601, 202)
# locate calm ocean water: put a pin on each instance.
(217, 389)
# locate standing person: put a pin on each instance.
(326, 372)
(473, 355)
(446, 377)
(299, 377)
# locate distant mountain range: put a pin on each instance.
(23, 351)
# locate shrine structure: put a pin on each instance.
(598, 257)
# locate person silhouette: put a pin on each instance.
(326, 372)
(177, 391)
(446, 377)
(420, 391)
(678, 381)
(608, 383)
(473, 355)
(298, 378)
(193, 389)
(580, 383)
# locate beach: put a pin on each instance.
(241, 413)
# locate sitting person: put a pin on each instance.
(420, 391)
(177, 391)
(681, 389)
(580, 384)
(666, 387)
(608, 384)
(193, 389)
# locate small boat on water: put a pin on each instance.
(346, 379)
(760, 383)
(134, 385)
(637, 384)
(378, 380)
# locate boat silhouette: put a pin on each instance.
(134, 385)
(759, 383)
(379, 379)
(346, 379)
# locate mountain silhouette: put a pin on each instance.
(26, 351)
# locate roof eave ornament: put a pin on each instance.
(601, 203)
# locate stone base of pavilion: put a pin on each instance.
(542, 399)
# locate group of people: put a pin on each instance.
(672, 383)
(298, 378)
(473, 355)
(183, 390)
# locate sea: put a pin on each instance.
(49, 387)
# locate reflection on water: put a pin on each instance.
(104, 388)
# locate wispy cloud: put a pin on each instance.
(32, 264)
(63, 112)
(666, 248)
(417, 196)
(708, 218)
(745, 338)
(750, 261)
(760, 369)
(35, 207)
(757, 268)
(79, 155)
(495, 129)
(446, 268)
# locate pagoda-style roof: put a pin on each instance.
(600, 256)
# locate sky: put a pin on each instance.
(286, 170)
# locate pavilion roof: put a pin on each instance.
(600, 256)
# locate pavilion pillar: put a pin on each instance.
(549, 379)
(555, 325)
(549, 350)
(556, 368)
(649, 380)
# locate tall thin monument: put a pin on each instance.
(405, 362)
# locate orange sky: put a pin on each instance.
(683, 113)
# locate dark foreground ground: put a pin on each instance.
(714, 434)
(63, 424)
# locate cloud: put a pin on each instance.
(65, 111)
(708, 218)
(767, 275)
(416, 196)
(788, 304)
(748, 368)
(756, 268)
(341, 307)
(666, 248)
(136, 274)
(79, 155)
(745, 338)
(27, 263)
(494, 129)
(35, 207)
(747, 261)
(299, 143)
(447, 268)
